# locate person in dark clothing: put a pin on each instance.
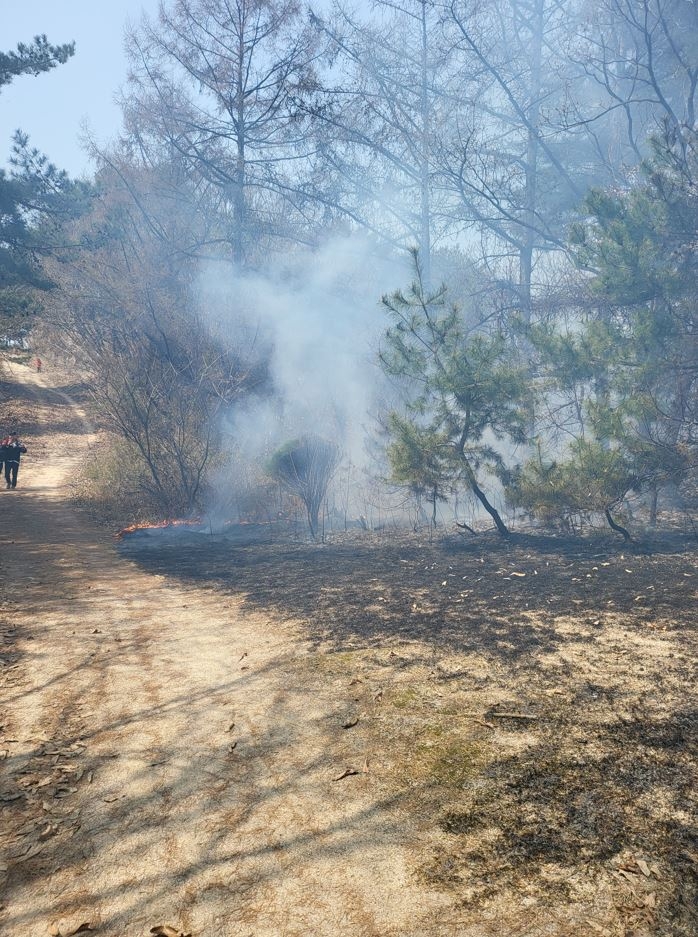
(11, 454)
(3, 442)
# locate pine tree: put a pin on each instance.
(463, 395)
(34, 195)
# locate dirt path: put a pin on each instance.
(159, 766)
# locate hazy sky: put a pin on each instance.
(53, 107)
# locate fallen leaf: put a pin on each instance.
(164, 930)
(350, 723)
(598, 928)
(643, 867)
(348, 772)
(651, 900)
(520, 575)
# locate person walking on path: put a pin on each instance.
(3, 443)
(11, 454)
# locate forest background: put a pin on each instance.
(526, 169)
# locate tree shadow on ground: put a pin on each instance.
(611, 770)
(502, 598)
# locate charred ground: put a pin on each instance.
(531, 703)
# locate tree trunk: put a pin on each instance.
(654, 500)
(531, 168)
(426, 143)
(313, 520)
(482, 498)
(620, 530)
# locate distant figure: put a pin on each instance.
(3, 442)
(11, 454)
(38, 365)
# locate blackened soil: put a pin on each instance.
(485, 593)
(588, 644)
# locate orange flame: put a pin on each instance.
(157, 525)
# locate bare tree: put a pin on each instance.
(515, 169)
(219, 83)
(639, 59)
(305, 468)
(125, 311)
(379, 122)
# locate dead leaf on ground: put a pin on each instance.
(55, 929)
(599, 928)
(350, 723)
(348, 772)
(165, 930)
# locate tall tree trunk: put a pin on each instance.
(483, 499)
(532, 147)
(239, 211)
(425, 203)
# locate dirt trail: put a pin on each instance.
(161, 763)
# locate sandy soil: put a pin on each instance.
(372, 737)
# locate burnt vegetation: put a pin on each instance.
(528, 170)
(531, 698)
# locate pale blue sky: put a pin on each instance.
(53, 107)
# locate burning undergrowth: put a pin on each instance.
(529, 703)
(181, 530)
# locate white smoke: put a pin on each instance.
(318, 314)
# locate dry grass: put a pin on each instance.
(536, 732)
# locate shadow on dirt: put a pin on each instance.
(565, 626)
(502, 598)
(554, 808)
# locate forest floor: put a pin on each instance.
(378, 735)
